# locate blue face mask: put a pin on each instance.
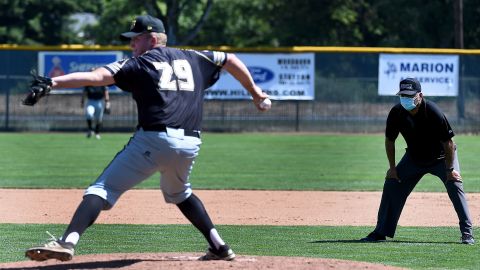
(408, 103)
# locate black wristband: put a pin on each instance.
(450, 169)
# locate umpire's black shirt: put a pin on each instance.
(423, 132)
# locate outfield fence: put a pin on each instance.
(346, 96)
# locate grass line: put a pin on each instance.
(414, 247)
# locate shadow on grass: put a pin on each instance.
(381, 242)
(85, 265)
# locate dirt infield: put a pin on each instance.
(186, 261)
(235, 208)
(225, 207)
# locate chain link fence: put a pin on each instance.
(346, 101)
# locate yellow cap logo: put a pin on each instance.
(133, 24)
(149, 28)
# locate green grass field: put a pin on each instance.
(416, 248)
(240, 161)
(226, 161)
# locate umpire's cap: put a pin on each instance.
(143, 24)
(409, 86)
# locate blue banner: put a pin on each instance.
(53, 64)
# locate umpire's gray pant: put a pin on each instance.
(395, 194)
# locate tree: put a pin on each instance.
(240, 23)
(183, 19)
(471, 21)
(190, 9)
(44, 22)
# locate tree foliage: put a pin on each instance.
(399, 23)
(40, 22)
(240, 23)
(183, 19)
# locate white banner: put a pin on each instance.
(438, 74)
(281, 76)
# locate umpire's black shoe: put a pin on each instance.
(374, 237)
(223, 253)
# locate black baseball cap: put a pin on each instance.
(142, 24)
(409, 86)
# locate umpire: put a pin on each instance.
(430, 149)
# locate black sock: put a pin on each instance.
(97, 128)
(89, 124)
(193, 209)
(85, 215)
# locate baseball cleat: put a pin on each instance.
(51, 250)
(55, 249)
(223, 253)
(467, 239)
(374, 237)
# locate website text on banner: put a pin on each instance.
(52, 64)
(438, 74)
(281, 76)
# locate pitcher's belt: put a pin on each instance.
(163, 128)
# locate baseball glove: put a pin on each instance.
(39, 87)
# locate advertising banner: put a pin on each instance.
(282, 76)
(438, 74)
(54, 64)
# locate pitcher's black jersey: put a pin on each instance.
(168, 84)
